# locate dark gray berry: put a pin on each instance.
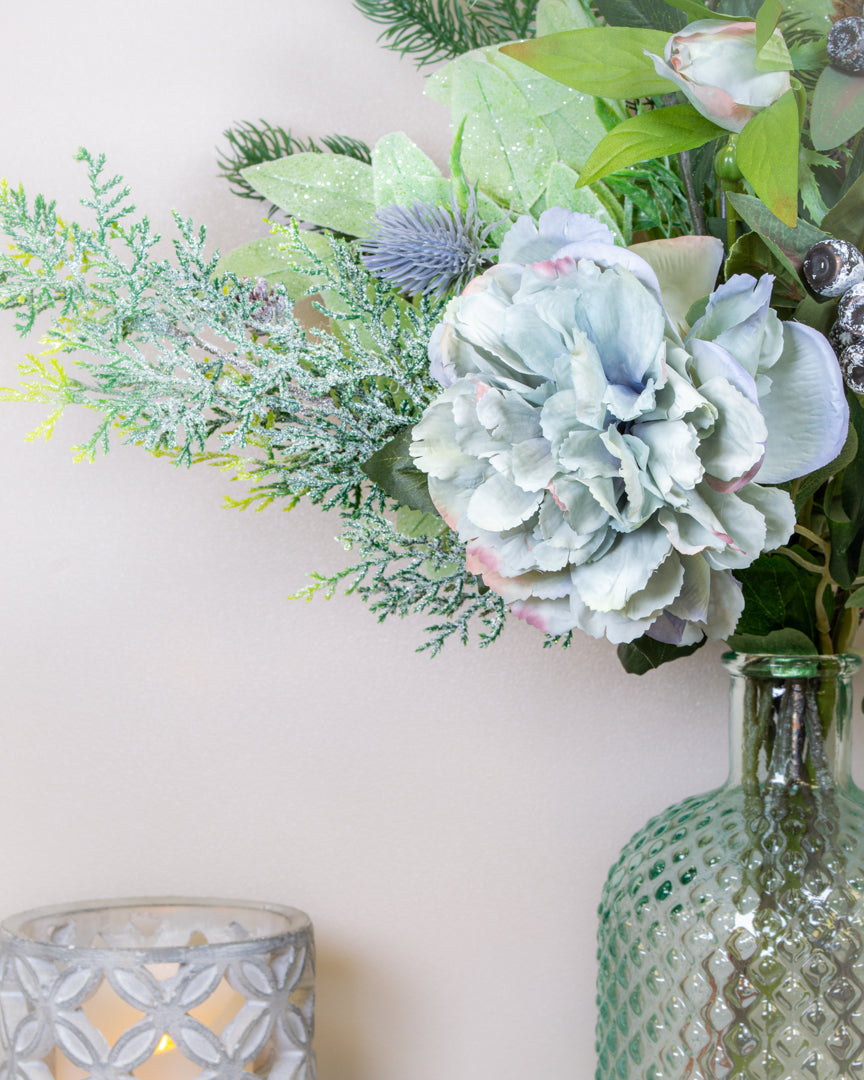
(832, 266)
(846, 45)
(840, 338)
(852, 366)
(850, 310)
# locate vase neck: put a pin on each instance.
(790, 720)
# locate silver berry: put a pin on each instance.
(846, 45)
(839, 338)
(852, 366)
(832, 266)
(850, 310)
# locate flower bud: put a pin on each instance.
(715, 64)
(832, 266)
(852, 366)
(850, 310)
(846, 45)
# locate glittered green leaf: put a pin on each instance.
(838, 109)
(563, 190)
(606, 61)
(516, 123)
(650, 135)
(768, 157)
(554, 16)
(392, 468)
(644, 654)
(330, 190)
(416, 523)
(403, 174)
(273, 258)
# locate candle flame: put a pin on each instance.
(165, 1043)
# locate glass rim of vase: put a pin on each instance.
(790, 665)
(22, 930)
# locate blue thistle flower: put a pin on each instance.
(427, 248)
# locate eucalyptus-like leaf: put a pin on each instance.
(787, 642)
(845, 219)
(648, 14)
(645, 654)
(794, 241)
(392, 468)
(773, 174)
(649, 135)
(757, 255)
(838, 109)
(606, 61)
(778, 595)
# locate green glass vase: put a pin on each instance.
(731, 940)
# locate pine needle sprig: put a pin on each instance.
(253, 144)
(442, 29)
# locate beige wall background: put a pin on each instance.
(172, 724)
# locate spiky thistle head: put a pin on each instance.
(427, 248)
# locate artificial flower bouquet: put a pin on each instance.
(603, 375)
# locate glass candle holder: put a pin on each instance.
(157, 989)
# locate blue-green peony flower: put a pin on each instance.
(599, 460)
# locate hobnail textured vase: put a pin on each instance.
(731, 939)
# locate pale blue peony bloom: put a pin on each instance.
(600, 466)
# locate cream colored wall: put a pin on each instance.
(173, 724)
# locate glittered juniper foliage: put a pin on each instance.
(204, 367)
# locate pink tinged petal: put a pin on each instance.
(744, 523)
(806, 410)
(561, 506)
(480, 558)
(726, 486)
(686, 269)
(713, 103)
(609, 255)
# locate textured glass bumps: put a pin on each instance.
(731, 939)
(150, 989)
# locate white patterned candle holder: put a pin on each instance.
(159, 989)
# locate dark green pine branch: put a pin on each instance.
(442, 29)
